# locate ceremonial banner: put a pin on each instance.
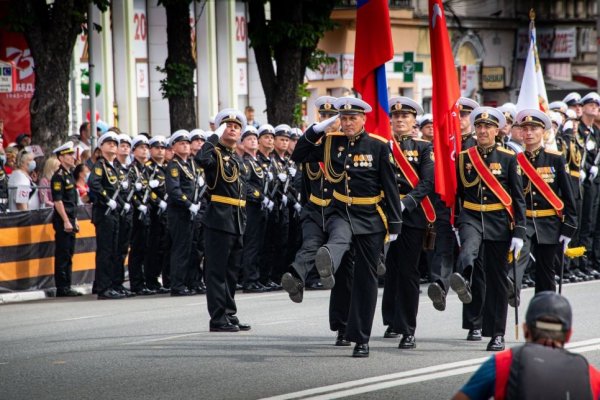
(373, 48)
(533, 90)
(446, 123)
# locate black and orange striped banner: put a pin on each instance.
(27, 250)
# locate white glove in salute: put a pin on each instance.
(321, 126)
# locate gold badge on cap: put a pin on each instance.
(327, 106)
(485, 115)
(528, 118)
(348, 106)
(397, 107)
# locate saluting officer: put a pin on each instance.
(64, 219)
(414, 176)
(257, 207)
(181, 181)
(360, 167)
(224, 220)
(466, 106)
(316, 194)
(105, 187)
(157, 259)
(491, 223)
(551, 213)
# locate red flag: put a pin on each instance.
(373, 48)
(446, 122)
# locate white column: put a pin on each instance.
(107, 77)
(225, 13)
(207, 100)
(157, 55)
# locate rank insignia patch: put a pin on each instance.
(174, 172)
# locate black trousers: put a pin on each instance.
(469, 264)
(400, 302)
(313, 237)
(442, 262)
(275, 246)
(339, 301)
(64, 248)
(223, 252)
(339, 239)
(545, 264)
(589, 213)
(125, 223)
(180, 229)
(137, 253)
(195, 270)
(107, 248)
(158, 253)
(254, 239)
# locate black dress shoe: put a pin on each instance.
(293, 286)
(238, 287)
(390, 333)
(125, 292)
(315, 286)
(340, 340)
(243, 327)
(272, 286)
(254, 288)
(200, 289)
(228, 327)
(437, 296)
(461, 287)
(184, 292)
(110, 294)
(407, 342)
(144, 292)
(474, 335)
(324, 264)
(361, 350)
(496, 344)
(163, 290)
(67, 293)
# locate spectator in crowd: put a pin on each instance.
(84, 157)
(23, 140)
(81, 175)
(249, 112)
(83, 143)
(3, 179)
(44, 192)
(11, 159)
(92, 160)
(22, 189)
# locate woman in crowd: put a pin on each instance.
(81, 174)
(45, 193)
(22, 189)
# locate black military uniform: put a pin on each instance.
(157, 259)
(181, 182)
(64, 190)
(125, 227)
(224, 222)
(400, 301)
(486, 228)
(104, 186)
(256, 211)
(360, 168)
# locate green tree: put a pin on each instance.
(290, 38)
(51, 29)
(178, 86)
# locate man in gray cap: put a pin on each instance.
(541, 368)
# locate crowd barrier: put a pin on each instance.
(27, 250)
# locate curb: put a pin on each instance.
(19, 297)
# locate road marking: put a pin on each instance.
(381, 382)
(164, 338)
(78, 318)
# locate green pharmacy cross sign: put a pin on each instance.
(408, 67)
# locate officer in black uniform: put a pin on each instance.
(64, 219)
(316, 195)
(490, 224)
(257, 208)
(139, 194)
(182, 185)
(104, 188)
(400, 301)
(573, 101)
(224, 220)
(360, 167)
(551, 211)
(157, 259)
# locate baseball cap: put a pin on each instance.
(547, 306)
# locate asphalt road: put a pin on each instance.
(160, 348)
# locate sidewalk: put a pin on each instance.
(18, 297)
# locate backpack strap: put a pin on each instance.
(503, 362)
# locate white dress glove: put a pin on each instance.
(282, 177)
(284, 200)
(393, 236)
(124, 185)
(265, 201)
(516, 245)
(126, 207)
(111, 204)
(402, 207)
(142, 208)
(194, 208)
(270, 176)
(456, 234)
(292, 171)
(200, 181)
(565, 242)
(582, 176)
(321, 126)
(297, 207)
(153, 183)
(162, 205)
(593, 172)
(270, 205)
(138, 186)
